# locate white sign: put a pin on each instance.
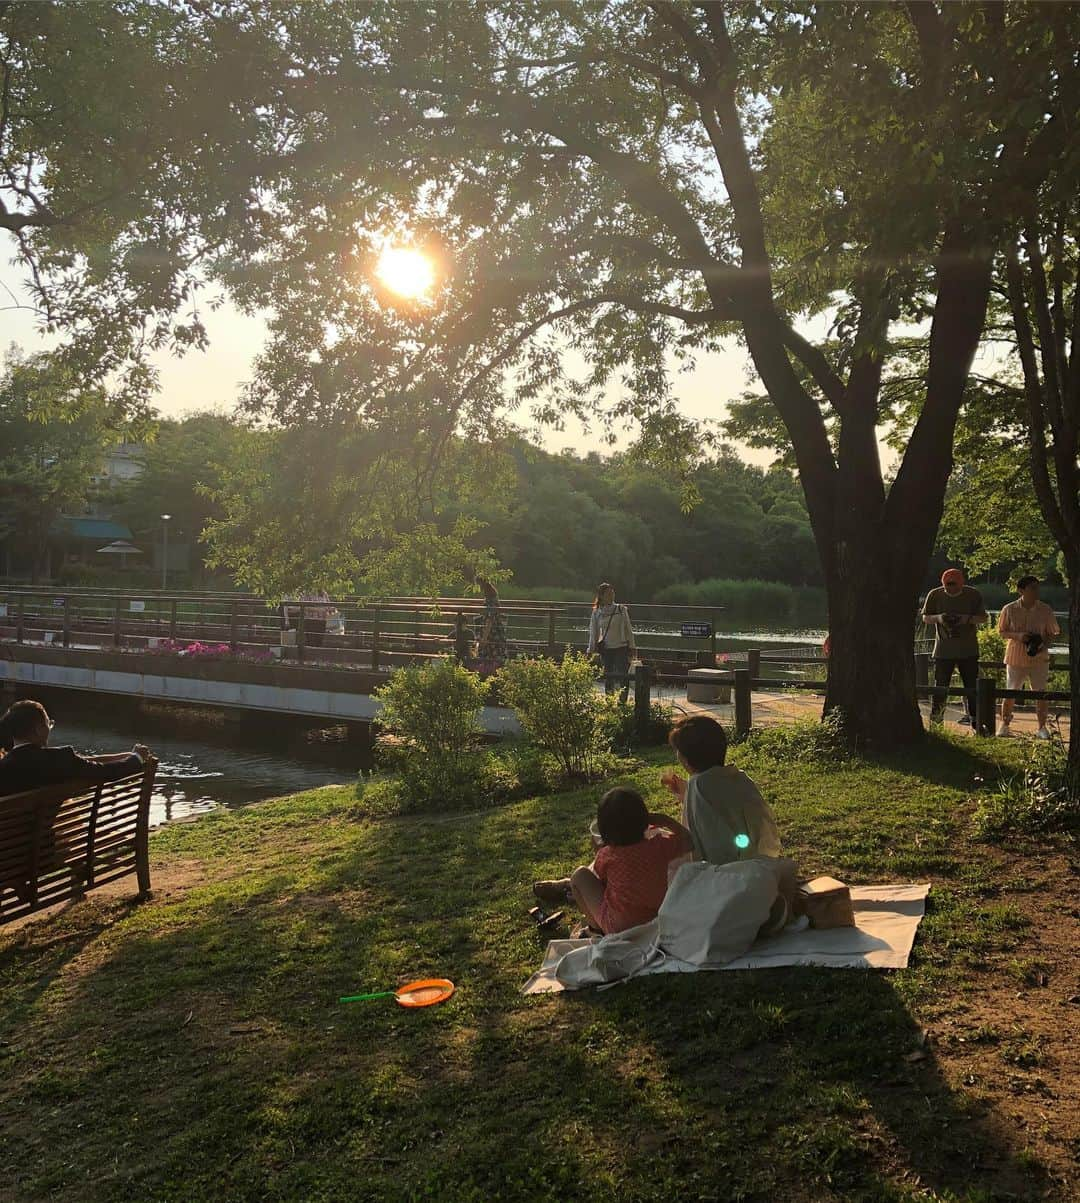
(137, 607)
(3, 609)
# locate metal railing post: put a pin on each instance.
(553, 649)
(67, 622)
(300, 632)
(233, 618)
(172, 619)
(922, 668)
(753, 663)
(20, 621)
(116, 638)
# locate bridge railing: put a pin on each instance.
(380, 634)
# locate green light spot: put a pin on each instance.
(742, 841)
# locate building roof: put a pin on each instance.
(100, 529)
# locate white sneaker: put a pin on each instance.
(1042, 733)
(1003, 729)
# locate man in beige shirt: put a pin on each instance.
(1027, 626)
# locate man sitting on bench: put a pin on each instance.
(29, 763)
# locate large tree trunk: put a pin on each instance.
(872, 657)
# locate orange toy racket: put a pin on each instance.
(424, 993)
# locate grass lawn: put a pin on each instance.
(191, 1048)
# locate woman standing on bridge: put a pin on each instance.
(491, 645)
(611, 637)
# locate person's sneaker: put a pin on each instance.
(1003, 729)
(1042, 733)
(964, 720)
(555, 893)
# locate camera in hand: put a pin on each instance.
(951, 622)
(1033, 644)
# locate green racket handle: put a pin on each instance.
(365, 997)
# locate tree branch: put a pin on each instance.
(1033, 392)
(816, 364)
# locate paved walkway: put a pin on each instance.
(769, 709)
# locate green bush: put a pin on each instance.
(432, 714)
(560, 710)
(620, 731)
(992, 648)
(488, 776)
(1033, 801)
(822, 742)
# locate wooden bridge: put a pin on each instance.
(126, 644)
(378, 635)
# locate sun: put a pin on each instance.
(406, 271)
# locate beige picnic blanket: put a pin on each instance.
(886, 919)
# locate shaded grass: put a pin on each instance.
(192, 1048)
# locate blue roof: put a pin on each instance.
(101, 529)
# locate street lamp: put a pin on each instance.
(164, 550)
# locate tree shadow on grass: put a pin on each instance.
(206, 1042)
(961, 762)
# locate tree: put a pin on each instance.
(53, 439)
(633, 181)
(341, 508)
(183, 465)
(992, 516)
(1042, 273)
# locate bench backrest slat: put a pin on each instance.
(61, 840)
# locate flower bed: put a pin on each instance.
(197, 650)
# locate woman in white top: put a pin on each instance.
(612, 638)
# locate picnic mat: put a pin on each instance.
(886, 919)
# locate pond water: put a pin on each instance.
(204, 764)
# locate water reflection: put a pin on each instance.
(202, 767)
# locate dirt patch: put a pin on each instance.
(1012, 1044)
(173, 878)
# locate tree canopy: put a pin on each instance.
(628, 181)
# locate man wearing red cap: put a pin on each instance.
(956, 612)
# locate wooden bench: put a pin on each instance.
(59, 841)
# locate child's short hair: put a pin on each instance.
(701, 742)
(622, 816)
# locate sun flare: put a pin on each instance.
(406, 271)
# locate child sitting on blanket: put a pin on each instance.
(726, 816)
(628, 878)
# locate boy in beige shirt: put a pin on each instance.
(1027, 626)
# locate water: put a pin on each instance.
(204, 765)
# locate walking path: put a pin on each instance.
(770, 708)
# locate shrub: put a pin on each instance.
(493, 775)
(992, 648)
(619, 728)
(1033, 801)
(560, 710)
(821, 742)
(432, 712)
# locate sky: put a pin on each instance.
(213, 379)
